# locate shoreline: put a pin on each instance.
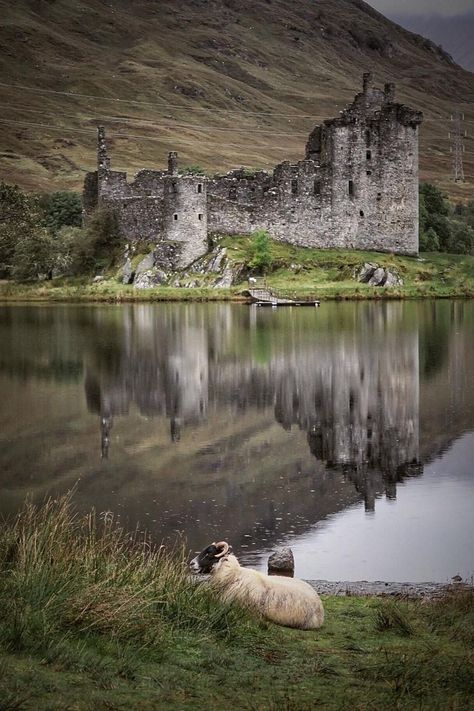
(72, 295)
(380, 588)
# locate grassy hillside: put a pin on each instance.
(296, 272)
(93, 621)
(225, 83)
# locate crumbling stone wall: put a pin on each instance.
(357, 187)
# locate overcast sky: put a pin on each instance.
(422, 7)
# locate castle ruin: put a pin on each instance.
(356, 188)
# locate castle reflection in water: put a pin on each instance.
(352, 387)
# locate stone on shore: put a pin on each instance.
(281, 562)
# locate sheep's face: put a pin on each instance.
(209, 557)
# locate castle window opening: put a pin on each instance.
(368, 155)
(175, 216)
(351, 187)
(200, 215)
(361, 213)
(379, 196)
(233, 193)
(317, 187)
(199, 187)
(173, 188)
(369, 172)
(294, 187)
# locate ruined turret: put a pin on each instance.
(103, 160)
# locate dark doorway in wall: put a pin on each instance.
(199, 187)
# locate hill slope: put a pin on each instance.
(224, 82)
(453, 33)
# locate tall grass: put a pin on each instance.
(66, 579)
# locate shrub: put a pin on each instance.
(260, 252)
(192, 170)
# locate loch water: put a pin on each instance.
(346, 432)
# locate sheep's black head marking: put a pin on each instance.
(207, 559)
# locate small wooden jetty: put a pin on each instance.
(263, 296)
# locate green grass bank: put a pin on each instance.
(93, 618)
(294, 272)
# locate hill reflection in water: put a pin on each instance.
(228, 421)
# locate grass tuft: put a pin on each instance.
(391, 616)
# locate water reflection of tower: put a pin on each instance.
(359, 403)
(187, 376)
(160, 364)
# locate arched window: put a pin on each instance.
(199, 187)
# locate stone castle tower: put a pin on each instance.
(356, 188)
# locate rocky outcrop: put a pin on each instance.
(127, 272)
(217, 262)
(145, 265)
(150, 278)
(374, 275)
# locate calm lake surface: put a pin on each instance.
(346, 432)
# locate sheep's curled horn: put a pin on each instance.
(225, 548)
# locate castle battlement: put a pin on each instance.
(355, 188)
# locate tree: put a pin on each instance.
(434, 200)
(19, 218)
(429, 241)
(61, 209)
(100, 243)
(34, 256)
(261, 258)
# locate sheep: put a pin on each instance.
(286, 601)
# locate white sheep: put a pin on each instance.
(287, 601)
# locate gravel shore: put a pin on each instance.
(363, 588)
